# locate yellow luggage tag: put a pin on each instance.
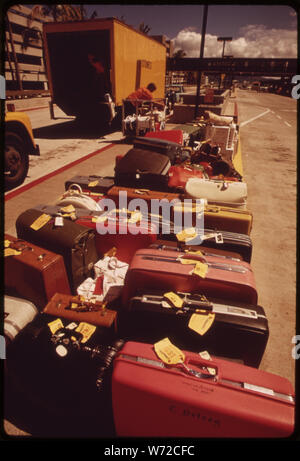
(11, 252)
(102, 218)
(201, 323)
(187, 234)
(111, 252)
(7, 243)
(55, 325)
(174, 299)
(135, 217)
(86, 330)
(168, 353)
(93, 183)
(68, 209)
(200, 269)
(40, 222)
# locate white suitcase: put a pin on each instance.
(74, 196)
(233, 194)
(18, 313)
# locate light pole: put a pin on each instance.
(204, 23)
(224, 40)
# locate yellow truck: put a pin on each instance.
(93, 65)
(19, 144)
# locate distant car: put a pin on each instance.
(19, 144)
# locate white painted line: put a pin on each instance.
(287, 123)
(254, 118)
(278, 116)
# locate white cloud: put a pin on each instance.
(256, 41)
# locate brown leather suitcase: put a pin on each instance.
(32, 272)
(77, 310)
(136, 193)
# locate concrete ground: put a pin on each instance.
(268, 133)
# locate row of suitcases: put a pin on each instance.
(194, 297)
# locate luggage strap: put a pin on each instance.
(221, 266)
(244, 386)
(193, 305)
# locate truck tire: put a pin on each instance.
(16, 160)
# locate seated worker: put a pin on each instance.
(144, 94)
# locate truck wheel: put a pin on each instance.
(16, 161)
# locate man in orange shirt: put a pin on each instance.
(144, 94)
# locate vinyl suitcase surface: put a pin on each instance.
(171, 149)
(142, 168)
(32, 272)
(93, 183)
(181, 272)
(74, 242)
(201, 398)
(237, 331)
(168, 135)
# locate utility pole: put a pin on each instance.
(204, 22)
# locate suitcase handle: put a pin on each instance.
(208, 369)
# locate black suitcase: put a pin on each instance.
(143, 169)
(74, 242)
(63, 368)
(223, 240)
(172, 150)
(238, 331)
(93, 183)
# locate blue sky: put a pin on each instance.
(266, 31)
(222, 19)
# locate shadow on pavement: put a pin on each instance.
(72, 130)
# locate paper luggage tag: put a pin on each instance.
(55, 325)
(59, 221)
(135, 217)
(86, 330)
(11, 252)
(187, 234)
(99, 218)
(201, 323)
(68, 209)
(168, 353)
(7, 243)
(40, 222)
(200, 269)
(93, 183)
(174, 299)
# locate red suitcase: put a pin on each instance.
(178, 176)
(168, 135)
(151, 399)
(161, 269)
(35, 274)
(118, 233)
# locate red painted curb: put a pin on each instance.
(16, 192)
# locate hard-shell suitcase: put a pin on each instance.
(237, 331)
(221, 217)
(179, 247)
(135, 193)
(180, 174)
(230, 193)
(32, 272)
(75, 243)
(199, 398)
(160, 269)
(78, 310)
(93, 183)
(240, 244)
(143, 168)
(18, 312)
(63, 369)
(173, 150)
(168, 135)
(114, 230)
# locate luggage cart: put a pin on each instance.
(146, 117)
